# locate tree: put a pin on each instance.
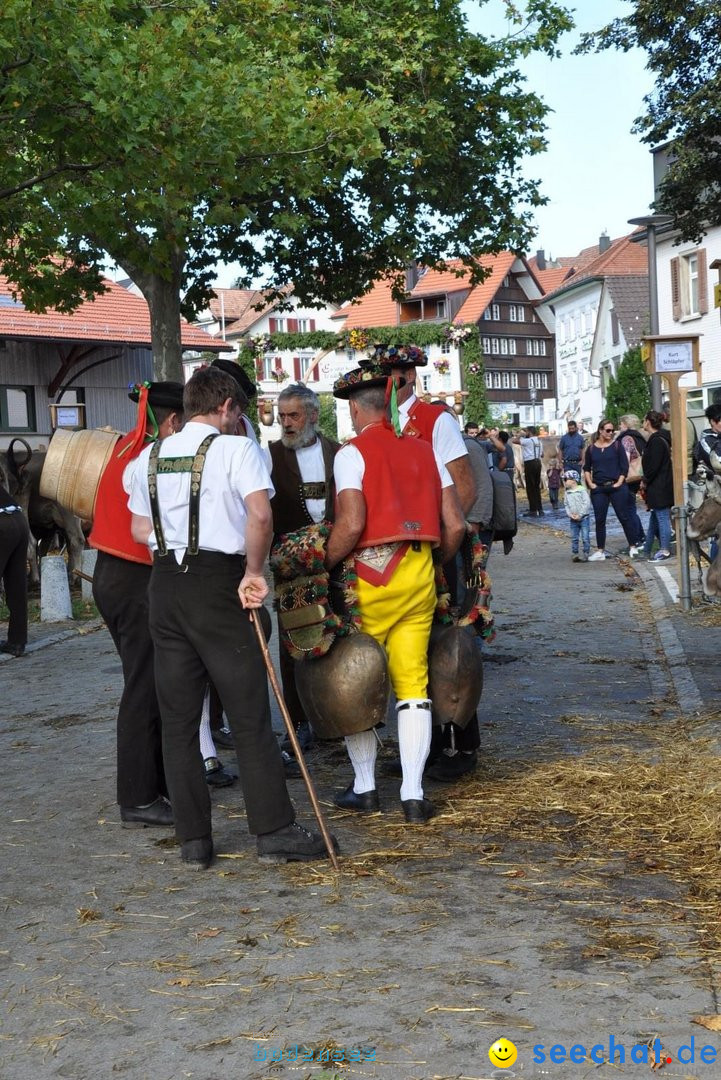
(323, 144)
(683, 41)
(629, 390)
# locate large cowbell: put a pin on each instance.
(347, 690)
(455, 674)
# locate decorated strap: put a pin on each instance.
(316, 490)
(194, 465)
(475, 609)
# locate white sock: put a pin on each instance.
(414, 742)
(207, 746)
(362, 749)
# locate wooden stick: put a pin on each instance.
(85, 577)
(255, 619)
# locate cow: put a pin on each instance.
(712, 579)
(46, 517)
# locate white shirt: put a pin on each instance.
(234, 469)
(531, 448)
(447, 438)
(349, 469)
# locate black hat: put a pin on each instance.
(161, 395)
(362, 378)
(240, 376)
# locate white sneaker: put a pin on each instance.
(633, 551)
(597, 556)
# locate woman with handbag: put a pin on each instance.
(658, 486)
(605, 466)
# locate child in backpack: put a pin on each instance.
(578, 508)
(553, 475)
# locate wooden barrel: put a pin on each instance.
(74, 463)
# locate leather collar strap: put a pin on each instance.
(192, 464)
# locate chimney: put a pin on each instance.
(541, 259)
(411, 276)
(604, 243)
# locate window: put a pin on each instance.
(512, 313)
(277, 326)
(689, 285)
(446, 347)
(577, 324)
(494, 346)
(512, 346)
(440, 309)
(587, 321)
(541, 348)
(486, 344)
(535, 347)
(570, 329)
(514, 380)
(496, 380)
(304, 364)
(303, 326)
(506, 281)
(496, 312)
(17, 408)
(504, 346)
(505, 380)
(539, 379)
(270, 365)
(517, 313)
(425, 383)
(561, 331)
(489, 380)
(487, 313)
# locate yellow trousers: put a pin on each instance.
(399, 616)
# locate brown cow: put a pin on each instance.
(712, 580)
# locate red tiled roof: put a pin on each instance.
(238, 307)
(378, 308)
(621, 259)
(116, 316)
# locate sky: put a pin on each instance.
(595, 173)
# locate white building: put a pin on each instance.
(601, 311)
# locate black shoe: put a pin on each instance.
(292, 843)
(528, 513)
(12, 650)
(304, 735)
(450, 767)
(365, 803)
(540, 513)
(216, 775)
(223, 737)
(418, 811)
(197, 854)
(159, 813)
(291, 768)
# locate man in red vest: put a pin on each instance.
(395, 502)
(120, 590)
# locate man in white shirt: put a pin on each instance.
(301, 464)
(202, 503)
(532, 450)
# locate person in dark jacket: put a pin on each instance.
(14, 571)
(658, 485)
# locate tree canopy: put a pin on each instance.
(682, 39)
(629, 390)
(313, 142)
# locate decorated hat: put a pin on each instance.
(161, 395)
(571, 474)
(398, 356)
(362, 378)
(241, 377)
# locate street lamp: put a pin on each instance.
(650, 222)
(533, 394)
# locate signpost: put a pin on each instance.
(672, 356)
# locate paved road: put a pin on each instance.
(514, 913)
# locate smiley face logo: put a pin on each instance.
(503, 1053)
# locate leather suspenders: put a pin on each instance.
(192, 464)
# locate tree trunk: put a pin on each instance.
(163, 299)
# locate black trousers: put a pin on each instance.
(14, 573)
(290, 692)
(200, 632)
(532, 476)
(120, 590)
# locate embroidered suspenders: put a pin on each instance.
(192, 464)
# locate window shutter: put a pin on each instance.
(312, 325)
(296, 368)
(272, 326)
(675, 289)
(316, 373)
(278, 363)
(259, 368)
(702, 281)
(292, 326)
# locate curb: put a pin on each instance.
(90, 627)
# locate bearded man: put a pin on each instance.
(301, 466)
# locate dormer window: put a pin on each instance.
(440, 309)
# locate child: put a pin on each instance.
(553, 475)
(578, 508)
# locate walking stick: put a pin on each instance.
(293, 739)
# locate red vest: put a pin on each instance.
(422, 419)
(401, 488)
(111, 523)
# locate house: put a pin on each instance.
(601, 310)
(686, 274)
(87, 358)
(516, 341)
